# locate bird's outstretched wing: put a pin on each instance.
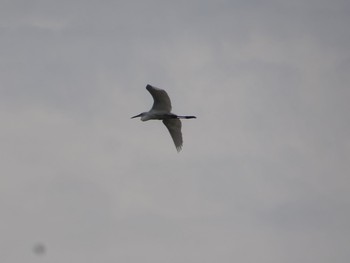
(174, 127)
(161, 99)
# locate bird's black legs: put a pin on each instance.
(186, 117)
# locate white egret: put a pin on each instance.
(161, 110)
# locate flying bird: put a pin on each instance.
(161, 110)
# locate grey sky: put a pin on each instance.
(264, 171)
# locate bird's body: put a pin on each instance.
(161, 110)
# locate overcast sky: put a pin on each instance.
(264, 174)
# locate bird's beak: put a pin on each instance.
(139, 115)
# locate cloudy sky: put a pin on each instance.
(264, 171)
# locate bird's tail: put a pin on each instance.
(187, 117)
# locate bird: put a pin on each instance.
(161, 110)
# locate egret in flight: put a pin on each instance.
(161, 110)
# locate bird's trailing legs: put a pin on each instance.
(174, 116)
(187, 117)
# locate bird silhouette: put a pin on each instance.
(161, 110)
